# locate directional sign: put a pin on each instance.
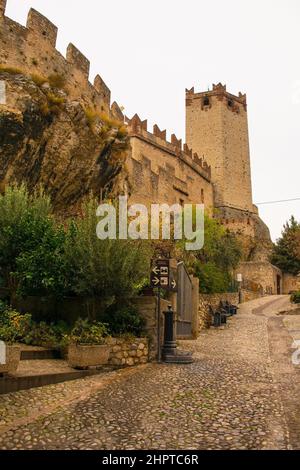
(160, 273)
(163, 275)
(173, 280)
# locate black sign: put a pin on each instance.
(163, 276)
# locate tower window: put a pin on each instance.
(202, 196)
(230, 103)
(206, 101)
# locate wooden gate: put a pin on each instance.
(184, 303)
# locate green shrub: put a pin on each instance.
(123, 320)
(46, 335)
(13, 326)
(85, 332)
(22, 226)
(295, 297)
(212, 279)
(109, 269)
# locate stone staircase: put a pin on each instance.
(39, 367)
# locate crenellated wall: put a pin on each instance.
(217, 126)
(163, 171)
(32, 50)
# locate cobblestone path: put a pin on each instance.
(240, 393)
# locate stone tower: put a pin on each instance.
(217, 128)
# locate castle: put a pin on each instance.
(212, 167)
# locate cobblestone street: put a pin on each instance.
(240, 393)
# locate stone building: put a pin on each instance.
(212, 167)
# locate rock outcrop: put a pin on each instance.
(47, 139)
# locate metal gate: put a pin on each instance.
(184, 303)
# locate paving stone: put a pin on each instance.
(229, 398)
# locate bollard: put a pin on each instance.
(169, 347)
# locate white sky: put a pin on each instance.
(148, 52)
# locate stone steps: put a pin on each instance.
(39, 354)
(17, 383)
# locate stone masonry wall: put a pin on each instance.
(128, 352)
(164, 172)
(213, 299)
(217, 127)
(32, 50)
(263, 274)
(290, 283)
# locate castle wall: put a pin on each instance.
(32, 50)
(217, 127)
(262, 273)
(162, 173)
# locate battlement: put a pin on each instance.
(219, 92)
(31, 49)
(138, 128)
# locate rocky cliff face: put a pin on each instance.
(47, 139)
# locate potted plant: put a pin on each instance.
(87, 345)
(10, 352)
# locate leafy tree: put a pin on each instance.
(286, 251)
(25, 222)
(214, 263)
(110, 269)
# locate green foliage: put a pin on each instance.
(85, 332)
(295, 298)
(110, 269)
(213, 279)
(13, 326)
(42, 270)
(25, 221)
(46, 335)
(124, 319)
(286, 251)
(215, 262)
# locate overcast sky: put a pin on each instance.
(148, 52)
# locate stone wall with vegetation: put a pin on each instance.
(213, 299)
(128, 352)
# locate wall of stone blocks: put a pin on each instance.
(32, 50)
(220, 132)
(263, 274)
(158, 176)
(214, 300)
(290, 283)
(128, 352)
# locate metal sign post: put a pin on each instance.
(162, 277)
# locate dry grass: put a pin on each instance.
(55, 100)
(38, 79)
(57, 81)
(12, 70)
